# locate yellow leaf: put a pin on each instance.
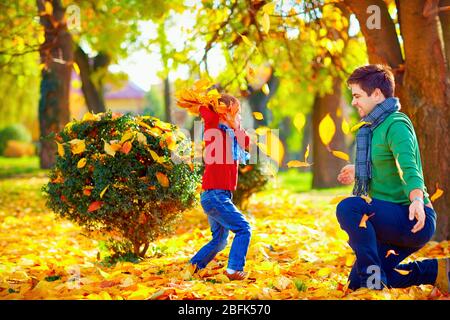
(403, 272)
(141, 138)
(307, 153)
(76, 68)
(359, 125)
(323, 272)
(90, 117)
(400, 171)
(48, 8)
(437, 194)
(103, 273)
(345, 126)
(258, 115)
(389, 252)
(162, 179)
(341, 155)
(299, 121)
(127, 136)
(109, 150)
(77, 146)
(265, 89)
(365, 217)
(269, 8)
(103, 191)
(327, 129)
(81, 163)
(367, 199)
(156, 157)
(266, 23)
(297, 164)
(246, 40)
(338, 199)
(60, 149)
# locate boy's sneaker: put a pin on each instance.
(443, 276)
(238, 275)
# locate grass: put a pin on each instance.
(11, 167)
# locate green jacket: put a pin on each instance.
(395, 139)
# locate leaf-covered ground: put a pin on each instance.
(297, 251)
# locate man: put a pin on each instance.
(389, 189)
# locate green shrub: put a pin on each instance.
(16, 132)
(114, 176)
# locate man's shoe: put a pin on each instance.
(443, 276)
(238, 275)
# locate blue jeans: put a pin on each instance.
(223, 216)
(388, 229)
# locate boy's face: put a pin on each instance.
(363, 102)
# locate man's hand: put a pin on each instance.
(416, 210)
(347, 174)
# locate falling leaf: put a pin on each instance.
(156, 157)
(299, 121)
(126, 147)
(258, 115)
(345, 127)
(77, 146)
(359, 125)
(338, 199)
(367, 199)
(60, 149)
(297, 164)
(327, 129)
(95, 206)
(364, 219)
(341, 155)
(81, 163)
(437, 194)
(307, 153)
(266, 23)
(87, 190)
(403, 272)
(76, 68)
(265, 89)
(111, 149)
(162, 179)
(90, 117)
(391, 251)
(400, 171)
(103, 191)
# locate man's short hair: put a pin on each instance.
(374, 76)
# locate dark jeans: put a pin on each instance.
(388, 229)
(223, 216)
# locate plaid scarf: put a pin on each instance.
(363, 164)
(238, 153)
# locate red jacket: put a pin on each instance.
(221, 171)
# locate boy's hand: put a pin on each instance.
(347, 174)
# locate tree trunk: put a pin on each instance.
(167, 100)
(444, 17)
(382, 44)
(427, 93)
(93, 95)
(57, 55)
(326, 167)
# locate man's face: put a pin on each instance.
(364, 103)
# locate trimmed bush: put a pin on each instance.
(16, 132)
(251, 180)
(114, 175)
(16, 149)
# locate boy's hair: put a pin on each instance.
(231, 102)
(374, 76)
